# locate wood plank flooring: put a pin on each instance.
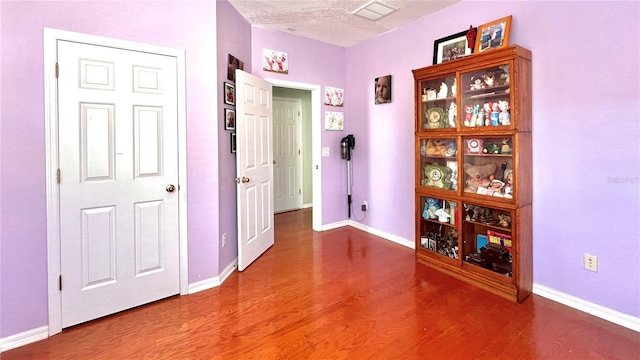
(339, 294)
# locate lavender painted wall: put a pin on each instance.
(189, 25)
(317, 63)
(585, 135)
(234, 37)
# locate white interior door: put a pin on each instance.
(287, 154)
(118, 161)
(254, 164)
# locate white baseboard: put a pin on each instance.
(616, 317)
(306, 206)
(214, 281)
(394, 238)
(335, 225)
(24, 338)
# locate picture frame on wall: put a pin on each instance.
(333, 120)
(333, 96)
(275, 61)
(493, 35)
(234, 63)
(229, 119)
(229, 94)
(451, 47)
(233, 142)
(382, 89)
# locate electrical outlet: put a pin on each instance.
(224, 239)
(591, 262)
(365, 205)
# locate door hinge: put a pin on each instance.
(299, 152)
(60, 282)
(299, 191)
(57, 70)
(58, 176)
(298, 112)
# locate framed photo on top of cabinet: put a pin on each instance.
(493, 35)
(451, 47)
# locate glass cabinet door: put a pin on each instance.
(438, 163)
(438, 99)
(438, 232)
(486, 97)
(488, 241)
(488, 166)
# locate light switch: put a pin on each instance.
(325, 151)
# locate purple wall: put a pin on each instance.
(234, 37)
(317, 63)
(188, 25)
(585, 126)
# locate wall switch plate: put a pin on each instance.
(591, 262)
(365, 205)
(224, 239)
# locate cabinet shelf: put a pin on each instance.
(473, 163)
(445, 99)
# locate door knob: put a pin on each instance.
(170, 188)
(242, 180)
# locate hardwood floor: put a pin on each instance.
(340, 294)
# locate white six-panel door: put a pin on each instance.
(254, 166)
(119, 179)
(287, 154)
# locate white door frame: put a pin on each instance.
(51, 36)
(299, 172)
(316, 144)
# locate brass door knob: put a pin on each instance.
(242, 180)
(170, 188)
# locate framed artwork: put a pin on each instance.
(233, 142)
(333, 120)
(383, 89)
(493, 35)
(234, 63)
(275, 61)
(333, 96)
(452, 47)
(229, 94)
(229, 119)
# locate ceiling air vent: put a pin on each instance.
(374, 10)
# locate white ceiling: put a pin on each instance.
(330, 21)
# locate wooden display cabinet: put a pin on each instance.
(473, 170)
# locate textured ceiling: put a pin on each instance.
(330, 21)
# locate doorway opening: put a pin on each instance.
(312, 167)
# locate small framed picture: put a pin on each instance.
(233, 142)
(234, 63)
(229, 119)
(383, 89)
(333, 96)
(229, 94)
(276, 61)
(493, 35)
(452, 47)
